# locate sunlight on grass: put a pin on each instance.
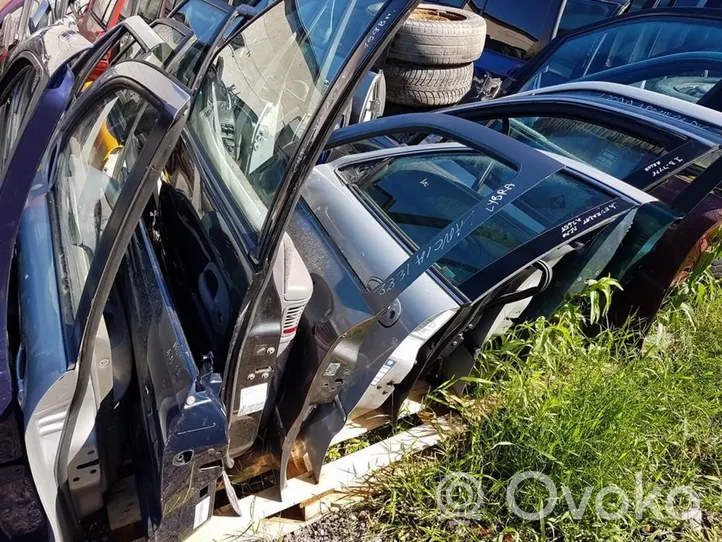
(587, 413)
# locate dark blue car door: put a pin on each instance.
(43, 139)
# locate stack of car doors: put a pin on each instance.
(183, 256)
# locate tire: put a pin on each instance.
(439, 36)
(419, 86)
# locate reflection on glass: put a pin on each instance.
(262, 90)
(608, 150)
(593, 53)
(91, 172)
(423, 195)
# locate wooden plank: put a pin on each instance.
(123, 508)
(338, 476)
(376, 418)
(259, 463)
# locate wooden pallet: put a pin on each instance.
(304, 501)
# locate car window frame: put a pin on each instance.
(461, 290)
(679, 144)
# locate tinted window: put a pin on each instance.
(578, 13)
(622, 44)
(423, 195)
(91, 172)
(259, 95)
(608, 150)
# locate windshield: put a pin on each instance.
(262, 90)
(593, 53)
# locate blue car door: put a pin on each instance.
(38, 172)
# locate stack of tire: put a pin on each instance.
(430, 61)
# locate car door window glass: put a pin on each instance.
(625, 43)
(12, 112)
(159, 55)
(578, 13)
(608, 150)
(92, 168)
(422, 195)
(205, 20)
(127, 9)
(688, 85)
(102, 9)
(149, 9)
(259, 95)
(514, 27)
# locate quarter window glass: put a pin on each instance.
(263, 89)
(91, 172)
(595, 52)
(423, 195)
(608, 150)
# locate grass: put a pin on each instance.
(587, 413)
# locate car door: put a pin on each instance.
(24, 89)
(651, 148)
(75, 185)
(306, 407)
(47, 104)
(306, 69)
(591, 52)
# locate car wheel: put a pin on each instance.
(439, 36)
(419, 86)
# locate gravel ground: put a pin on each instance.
(345, 526)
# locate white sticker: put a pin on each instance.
(253, 399)
(202, 512)
(332, 369)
